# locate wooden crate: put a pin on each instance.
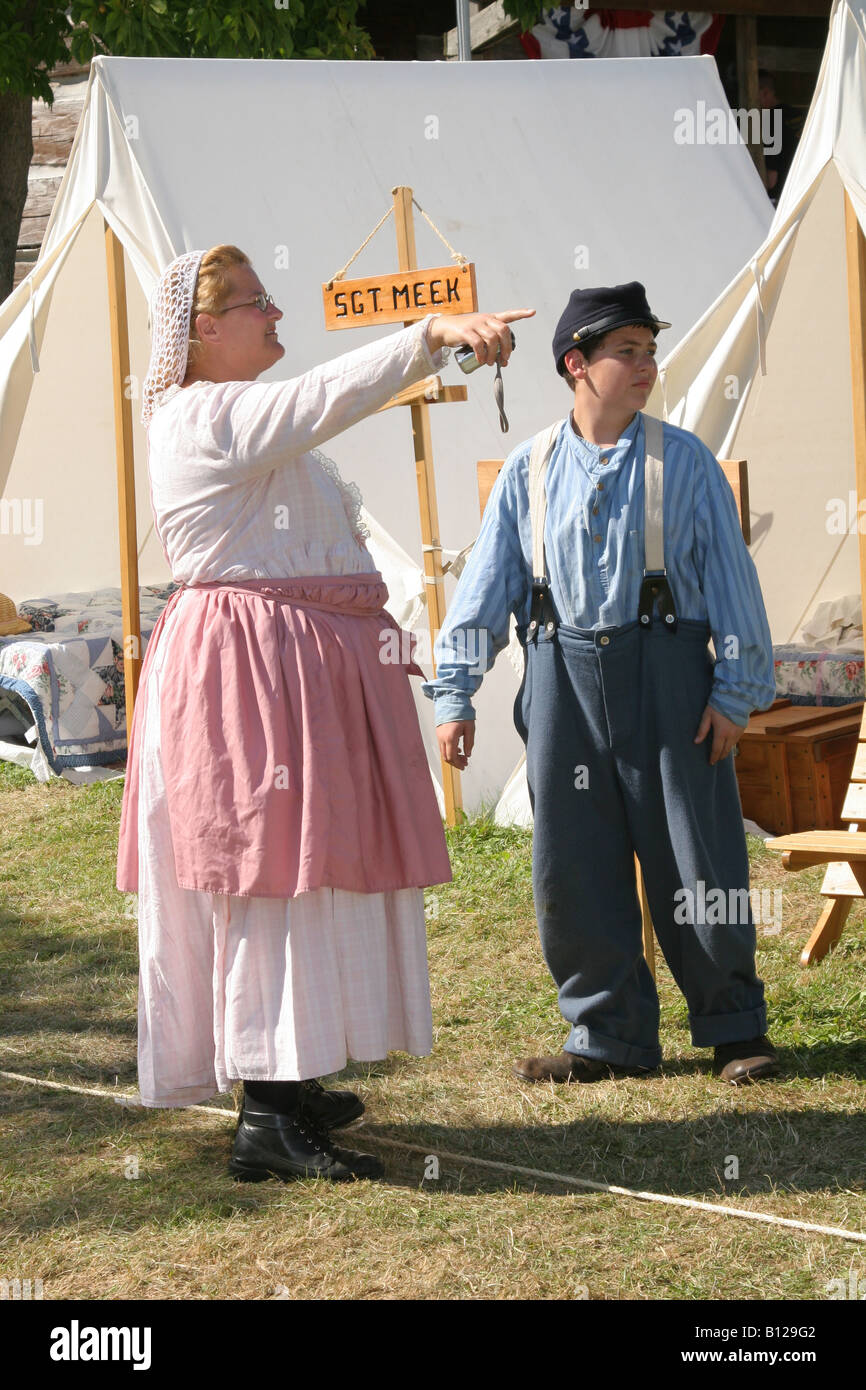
(794, 765)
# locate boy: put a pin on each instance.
(628, 723)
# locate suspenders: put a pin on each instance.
(541, 616)
(655, 589)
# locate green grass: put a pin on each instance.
(182, 1229)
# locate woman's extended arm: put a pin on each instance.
(256, 425)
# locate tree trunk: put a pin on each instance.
(16, 152)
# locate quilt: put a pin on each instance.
(69, 672)
(809, 677)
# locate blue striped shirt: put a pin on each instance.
(594, 549)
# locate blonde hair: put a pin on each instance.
(212, 288)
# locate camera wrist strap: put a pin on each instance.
(499, 397)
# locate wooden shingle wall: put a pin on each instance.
(54, 130)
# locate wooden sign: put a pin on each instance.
(400, 298)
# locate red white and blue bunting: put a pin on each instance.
(571, 31)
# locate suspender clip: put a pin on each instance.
(541, 614)
(655, 592)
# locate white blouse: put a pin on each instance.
(238, 487)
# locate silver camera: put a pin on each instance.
(466, 360)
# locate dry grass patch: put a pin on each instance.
(182, 1229)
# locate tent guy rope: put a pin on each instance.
(124, 1098)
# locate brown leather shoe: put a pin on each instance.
(569, 1067)
(742, 1062)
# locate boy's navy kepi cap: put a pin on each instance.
(590, 312)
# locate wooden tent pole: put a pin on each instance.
(117, 314)
(747, 82)
(423, 442)
(649, 942)
(855, 244)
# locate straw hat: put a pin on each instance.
(10, 623)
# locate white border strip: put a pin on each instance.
(125, 1098)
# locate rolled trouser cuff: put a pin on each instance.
(714, 1030)
(586, 1042)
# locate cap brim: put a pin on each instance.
(607, 325)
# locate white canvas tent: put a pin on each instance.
(766, 373)
(545, 175)
(790, 330)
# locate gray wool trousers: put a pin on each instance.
(609, 719)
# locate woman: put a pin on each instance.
(279, 823)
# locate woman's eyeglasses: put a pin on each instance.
(261, 301)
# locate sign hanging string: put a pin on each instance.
(455, 255)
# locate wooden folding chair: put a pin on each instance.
(844, 853)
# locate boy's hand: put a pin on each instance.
(726, 733)
(487, 334)
(449, 736)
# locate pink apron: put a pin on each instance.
(291, 751)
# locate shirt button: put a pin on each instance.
(597, 539)
(603, 459)
(604, 641)
(599, 487)
(595, 511)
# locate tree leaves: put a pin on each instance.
(37, 35)
(529, 12)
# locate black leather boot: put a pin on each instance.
(286, 1146)
(327, 1109)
